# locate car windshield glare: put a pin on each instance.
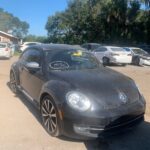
(139, 51)
(117, 49)
(71, 60)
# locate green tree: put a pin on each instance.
(107, 21)
(9, 23)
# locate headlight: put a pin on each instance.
(78, 101)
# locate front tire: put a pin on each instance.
(50, 116)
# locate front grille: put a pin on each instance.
(122, 121)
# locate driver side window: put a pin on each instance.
(31, 55)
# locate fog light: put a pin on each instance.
(86, 131)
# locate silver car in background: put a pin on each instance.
(27, 44)
(6, 50)
(112, 54)
(139, 56)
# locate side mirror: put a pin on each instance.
(33, 66)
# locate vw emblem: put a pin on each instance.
(123, 97)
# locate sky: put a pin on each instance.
(34, 12)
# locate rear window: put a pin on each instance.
(117, 49)
(2, 45)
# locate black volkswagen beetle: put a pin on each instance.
(76, 95)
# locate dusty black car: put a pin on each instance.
(76, 95)
(90, 46)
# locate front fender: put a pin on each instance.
(56, 89)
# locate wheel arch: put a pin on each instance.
(44, 94)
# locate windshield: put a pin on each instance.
(71, 60)
(117, 49)
(139, 51)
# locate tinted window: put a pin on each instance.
(31, 55)
(71, 60)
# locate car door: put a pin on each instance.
(30, 80)
(100, 53)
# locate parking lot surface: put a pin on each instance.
(21, 129)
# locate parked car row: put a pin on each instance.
(118, 55)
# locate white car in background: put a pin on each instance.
(112, 54)
(27, 44)
(6, 50)
(139, 56)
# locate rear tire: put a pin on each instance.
(13, 82)
(50, 117)
(137, 61)
(105, 61)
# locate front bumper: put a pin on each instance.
(84, 127)
(145, 62)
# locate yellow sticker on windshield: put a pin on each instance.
(78, 53)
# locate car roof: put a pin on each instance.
(49, 47)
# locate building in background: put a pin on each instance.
(5, 37)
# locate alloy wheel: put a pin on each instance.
(49, 116)
(13, 83)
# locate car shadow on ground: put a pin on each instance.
(31, 106)
(133, 139)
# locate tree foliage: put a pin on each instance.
(12, 24)
(109, 21)
(34, 38)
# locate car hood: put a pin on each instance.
(102, 85)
